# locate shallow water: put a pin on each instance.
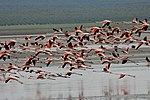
(91, 84)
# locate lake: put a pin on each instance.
(71, 11)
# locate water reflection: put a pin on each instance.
(97, 86)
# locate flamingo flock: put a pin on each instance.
(72, 50)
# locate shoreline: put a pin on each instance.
(44, 28)
(38, 28)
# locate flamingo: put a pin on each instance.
(125, 59)
(145, 26)
(142, 42)
(12, 78)
(6, 46)
(66, 54)
(72, 38)
(85, 36)
(106, 69)
(71, 45)
(49, 44)
(4, 55)
(65, 63)
(143, 22)
(54, 37)
(139, 44)
(106, 61)
(78, 30)
(95, 30)
(69, 73)
(58, 30)
(148, 61)
(139, 31)
(80, 60)
(49, 60)
(124, 33)
(42, 51)
(72, 67)
(83, 66)
(30, 60)
(106, 23)
(135, 20)
(100, 52)
(44, 76)
(11, 43)
(123, 75)
(28, 38)
(2, 69)
(39, 71)
(12, 66)
(125, 50)
(40, 37)
(113, 29)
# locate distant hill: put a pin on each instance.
(71, 11)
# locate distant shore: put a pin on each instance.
(47, 28)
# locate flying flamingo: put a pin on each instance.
(4, 55)
(135, 20)
(40, 37)
(12, 78)
(66, 54)
(71, 45)
(95, 30)
(123, 75)
(44, 76)
(65, 63)
(125, 59)
(11, 43)
(58, 30)
(6, 46)
(29, 61)
(85, 36)
(72, 38)
(106, 69)
(143, 22)
(138, 31)
(106, 23)
(78, 30)
(142, 42)
(49, 60)
(12, 66)
(114, 29)
(125, 50)
(83, 66)
(49, 44)
(42, 51)
(148, 61)
(69, 73)
(28, 38)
